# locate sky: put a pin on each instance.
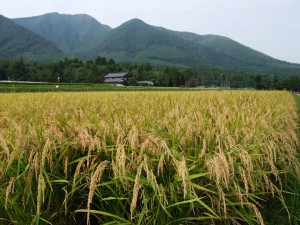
(269, 26)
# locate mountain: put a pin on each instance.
(229, 47)
(16, 42)
(136, 41)
(68, 32)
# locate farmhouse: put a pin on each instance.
(116, 78)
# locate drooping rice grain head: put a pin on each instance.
(136, 189)
(119, 165)
(160, 166)
(9, 189)
(244, 177)
(183, 172)
(66, 167)
(133, 138)
(96, 177)
(77, 170)
(203, 150)
(257, 213)
(40, 198)
(219, 168)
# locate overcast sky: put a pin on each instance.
(269, 26)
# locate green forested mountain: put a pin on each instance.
(16, 42)
(137, 41)
(250, 59)
(68, 32)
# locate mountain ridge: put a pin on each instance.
(138, 42)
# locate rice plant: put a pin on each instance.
(145, 157)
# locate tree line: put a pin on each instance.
(93, 71)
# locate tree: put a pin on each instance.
(170, 82)
(100, 61)
(17, 70)
(3, 73)
(258, 82)
(111, 62)
(291, 83)
(274, 82)
(192, 82)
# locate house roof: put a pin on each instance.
(116, 75)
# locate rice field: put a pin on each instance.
(213, 157)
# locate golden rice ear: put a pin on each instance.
(77, 170)
(96, 177)
(136, 189)
(182, 173)
(133, 138)
(121, 160)
(66, 166)
(160, 166)
(9, 189)
(40, 198)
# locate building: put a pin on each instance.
(144, 83)
(116, 78)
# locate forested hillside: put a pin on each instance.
(68, 32)
(16, 42)
(136, 41)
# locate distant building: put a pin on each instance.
(144, 83)
(116, 78)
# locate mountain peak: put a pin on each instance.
(135, 22)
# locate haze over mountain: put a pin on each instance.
(16, 42)
(68, 32)
(136, 41)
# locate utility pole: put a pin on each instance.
(226, 82)
(221, 80)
